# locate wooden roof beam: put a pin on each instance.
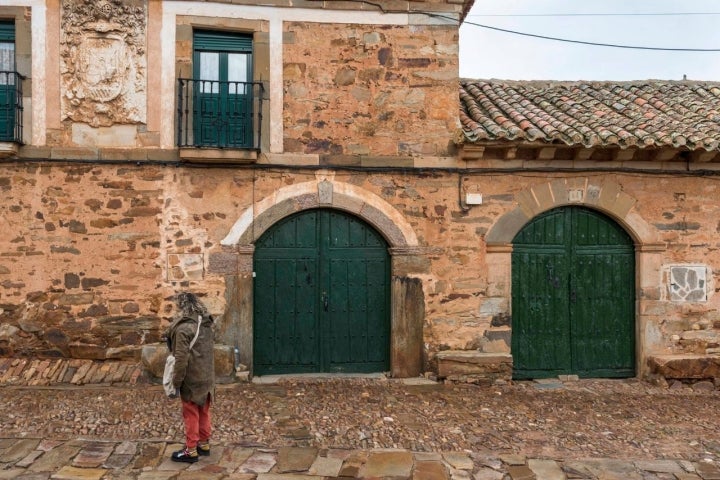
(546, 153)
(583, 153)
(624, 155)
(472, 152)
(663, 155)
(704, 156)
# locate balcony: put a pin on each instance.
(11, 110)
(216, 116)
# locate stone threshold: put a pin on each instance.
(272, 379)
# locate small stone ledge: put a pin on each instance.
(685, 366)
(471, 366)
(8, 149)
(218, 155)
(99, 154)
(154, 355)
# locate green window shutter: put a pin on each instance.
(222, 42)
(7, 82)
(7, 31)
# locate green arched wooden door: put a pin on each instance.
(573, 296)
(321, 296)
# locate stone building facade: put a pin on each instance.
(117, 195)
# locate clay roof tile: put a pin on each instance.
(593, 114)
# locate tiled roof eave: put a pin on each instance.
(504, 149)
(610, 141)
(629, 116)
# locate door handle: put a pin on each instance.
(325, 300)
(573, 296)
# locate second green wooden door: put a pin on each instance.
(321, 300)
(573, 296)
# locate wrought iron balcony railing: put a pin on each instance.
(219, 114)
(11, 107)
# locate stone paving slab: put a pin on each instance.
(292, 459)
(79, 459)
(388, 464)
(326, 467)
(17, 450)
(546, 469)
(93, 455)
(12, 473)
(75, 473)
(429, 470)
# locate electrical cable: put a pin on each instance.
(581, 42)
(543, 37)
(530, 172)
(594, 14)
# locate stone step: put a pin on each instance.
(57, 371)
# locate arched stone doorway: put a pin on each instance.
(603, 196)
(573, 296)
(321, 296)
(407, 261)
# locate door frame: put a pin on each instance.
(408, 261)
(321, 281)
(607, 197)
(563, 250)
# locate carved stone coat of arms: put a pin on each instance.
(103, 62)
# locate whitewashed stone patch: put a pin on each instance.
(686, 283)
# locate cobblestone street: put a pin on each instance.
(89, 425)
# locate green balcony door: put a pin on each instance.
(573, 297)
(8, 99)
(223, 109)
(321, 296)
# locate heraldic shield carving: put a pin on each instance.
(103, 62)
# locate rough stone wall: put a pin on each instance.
(92, 254)
(678, 213)
(370, 90)
(683, 211)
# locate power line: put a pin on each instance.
(581, 42)
(545, 37)
(666, 14)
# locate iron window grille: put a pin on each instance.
(219, 114)
(11, 106)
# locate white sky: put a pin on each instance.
(486, 54)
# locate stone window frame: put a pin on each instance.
(185, 25)
(23, 59)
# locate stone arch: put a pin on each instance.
(323, 193)
(408, 258)
(605, 196)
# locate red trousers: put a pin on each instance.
(197, 422)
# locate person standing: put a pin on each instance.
(191, 339)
